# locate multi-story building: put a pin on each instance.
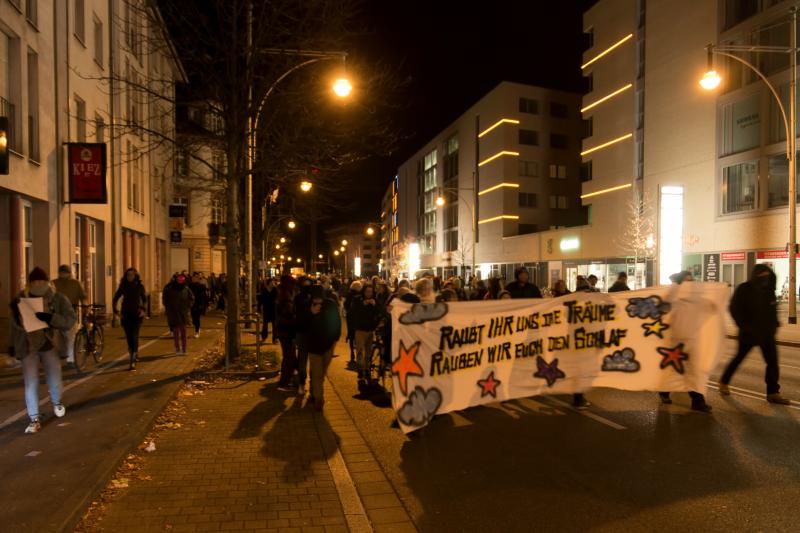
(73, 71)
(390, 231)
(358, 249)
(509, 165)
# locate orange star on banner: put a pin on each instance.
(673, 357)
(406, 365)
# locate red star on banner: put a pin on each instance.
(673, 357)
(489, 385)
(406, 365)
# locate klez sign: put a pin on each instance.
(87, 173)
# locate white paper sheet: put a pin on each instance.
(28, 307)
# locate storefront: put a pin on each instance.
(778, 261)
(607, 270)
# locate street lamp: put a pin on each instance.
(344, 242)
(341, 248)
(336, 253)
(305, 186)
(320, 256)
(342, 87)
(370, 231)
(440, 202)
(283, 240)
(298, 259)
(292, 224)
(711, 80)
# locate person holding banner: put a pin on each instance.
(755, 310)
(40, 319)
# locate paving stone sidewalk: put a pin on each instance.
(243, 456)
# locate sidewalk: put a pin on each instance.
(50, 478)
(244, 456)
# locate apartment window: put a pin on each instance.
(451, 240)
(80, 119)
(528, 105)
(588, 38)
(586, 171)
(528, 169)
(429, 184)
(737, 11)
(588, 127)
(182, 199)
(138, 192)
(217, 212)
(741, 125)
(99, 129)
(558, 171)
(27, 224)
(777, 127)
(32, 11)
(181, 163)
(778, 181)
(559, 141)
(588, 83)
(558, 110)
(739, 187)
(9, 81)
(451, 159)
(529, 137)
(98, 41)
(558, 201)
(129, 168)
(33, 105)
(527, 199)
(80, 21)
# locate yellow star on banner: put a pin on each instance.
(655, 328)
(406, 365)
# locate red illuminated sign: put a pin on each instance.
(734, 256)
(87, 173)
(773, 254)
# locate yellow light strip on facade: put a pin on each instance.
(606, 97)
(498, 186)
(493, 126)
(500, 217)
(603, 191)
(495, 156)
(605, 144)
(607, 50)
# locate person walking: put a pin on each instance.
(132, 311)
(178, 301)
(41, 345)
(352, 294)
(267, 298)
(366, 315)
(222, 292)
(622, 283)
(73, 290)
(324, 327)
(284, 330)
(302, 307)
(755, 310)
(199, 301)
(521, 287)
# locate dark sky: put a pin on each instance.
(454, 52)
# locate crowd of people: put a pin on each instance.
(305, 316)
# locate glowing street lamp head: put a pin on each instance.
(277, 246)
(342, 87)
(439, 201)
(299, 260)
(344, 242)
(289, 258)
(341, 248)
(281, 257)
(710, 80)
(283, 240)
(273, 259)
(320, 256)
(336, 252)
(292, 224)
(370, 231)
(306, 186)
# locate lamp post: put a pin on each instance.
(711, 80)
(440, 202)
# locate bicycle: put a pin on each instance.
(379, 367)
(90, 338)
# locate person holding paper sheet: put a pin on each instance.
(34, 344)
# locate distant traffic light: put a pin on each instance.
(3, 145)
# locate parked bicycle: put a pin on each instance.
(379, 364)
(90, 339)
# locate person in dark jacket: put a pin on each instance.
(355, 291)
(755, 310)
(698, 400)
(621, 284)
(560, 289)
(200, 304)
(222, 291)
(284, 331)
(302, 308)
(267, 297)
(521, 287)
(366, 314)
(178, 301)
(480, 291)
(324, 326)
(132, 311)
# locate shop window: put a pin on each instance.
(739, 187)
(741, 125)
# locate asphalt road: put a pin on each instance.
(628, 463)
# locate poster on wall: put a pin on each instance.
(451, 356)
(711, 267)
(86, 173)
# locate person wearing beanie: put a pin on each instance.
(43, 345)
(73, 290)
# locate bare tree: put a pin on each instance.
(637, 239)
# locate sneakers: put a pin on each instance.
(59, 410)
(197, 335)
(778, 399)
(34, 426)
(285, 388)
(724, 390)
(301, 390)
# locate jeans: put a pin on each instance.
(265, 330)
(132, 323)
(179, 336)
(302, 360)
(363, 342)
(319, 368)
(52, 373)
(770, 353)
(288, 362)
(196, 319)
(69, 342)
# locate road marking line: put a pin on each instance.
(747, 393)
(596, 418)
(13, 418)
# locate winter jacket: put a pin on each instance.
(266, 302)
(365, 316)
(177, 301)
(348, 306)
(134, 297)
(754, 307)
(284, 319)
(302, 309)
(619, 286)
(71, 288)
(200, 295)
(324, 328)
(50, 338)
(519, 290)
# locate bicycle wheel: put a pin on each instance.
(99, 343)
(81, 350)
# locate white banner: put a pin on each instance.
(450, 356)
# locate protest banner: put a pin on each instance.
(450, 356)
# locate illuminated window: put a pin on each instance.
(558, 171)
(671, 232)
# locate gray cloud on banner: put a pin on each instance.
(420, 313)
(652, 307)
(621, 361)
(420, 407)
